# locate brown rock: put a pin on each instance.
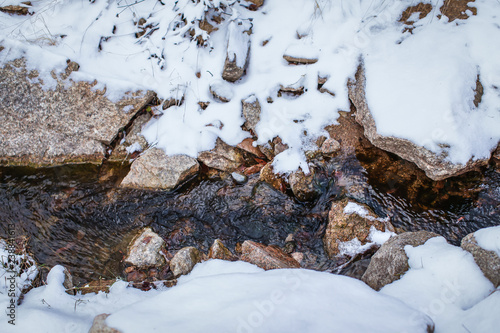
(99, 325)
(330, 146)
(223, 157)
(71, 123)
(435, 166)
(219, 251)
(184, 260)
(488, 261)
(146, 250)
(299, 61)
(266, 257)
(267, 175)
(17, 9)
(155, 170)
(257, 3)
(390, 262)
(303, 186)
(247, 145)
(456, 9)
(343, 227)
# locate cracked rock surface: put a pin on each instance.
(70, 123)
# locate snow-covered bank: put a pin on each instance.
(418, 89)
(443, 283)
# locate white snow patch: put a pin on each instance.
(445, 283)
(136, 146)
(489, 239)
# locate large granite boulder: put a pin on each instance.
(435, 166)
(488, 261)
(71, 122)
(155, 170)
(390, 262)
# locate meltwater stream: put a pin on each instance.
(77, 216)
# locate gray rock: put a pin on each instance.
(251, 112)
(239, 178)
(303, 186)
(146, 250)
(223, 157)
(488, 261)
(99, 325)
(155, 170)
(71, 123)
(435, 166)
(239, 39)
(184, 260)
(390, 262)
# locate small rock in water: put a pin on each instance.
(184, 260)
(146, 250)
(239, 178)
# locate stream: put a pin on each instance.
(79, 217)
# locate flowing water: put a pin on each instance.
(77, 216)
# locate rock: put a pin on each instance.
(390, 262)
(435, 166)
(99, 325)
(488, 261)
(247, 145)
(356, 269)
(133, 141)
(299, 61)
(257, 3)
(276, 181)
(291, 90)
(303, 186)
(238, 49)
(266, 257)
(70, 123)
(68, 282)
(345, 225)
(17, 9)
(330, 147)
(239, 178)
(223, 157)
(221, 91)
(251, 112)
(146, 250)
(219, 251)
(155, 170)
(184, 260)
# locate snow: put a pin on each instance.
(136, 146)
(14, 265)
(354, 246)
(430, 87)
(222, 296)
(445, 283)
(489, 239)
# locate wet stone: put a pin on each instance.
(266, 257)
(219, 251)
(184, 260)
(146, 250)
